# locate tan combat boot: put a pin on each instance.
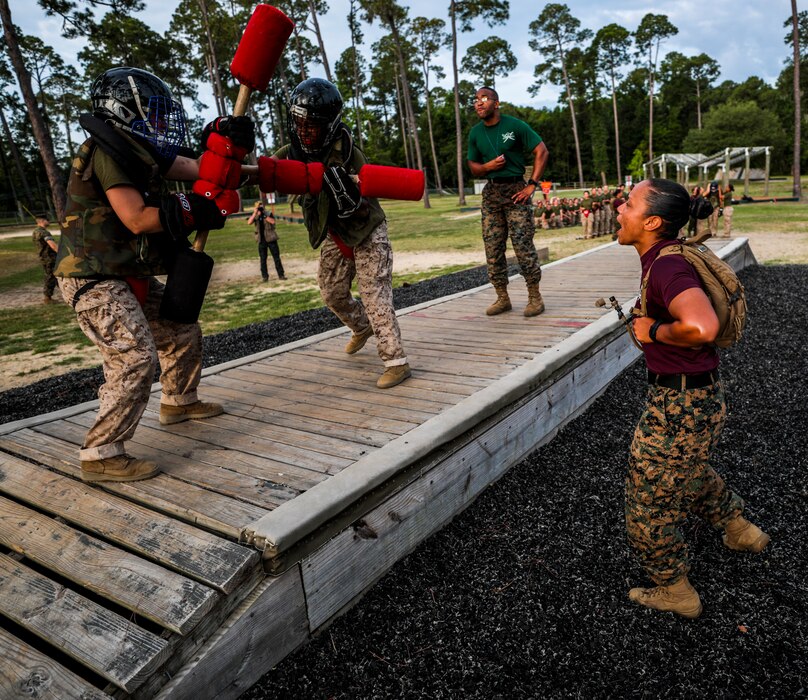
(393, 375)
(743, 536)
(502, 304)
(178, 414)
(680, 598)
(119, 468)
(358, 340)
(535, 304)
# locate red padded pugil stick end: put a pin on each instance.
(391, 183)
(261, 45)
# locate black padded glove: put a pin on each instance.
(240, 130)
(181, 214)
(342, 190)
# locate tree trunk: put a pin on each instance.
(66, 115)
(300, 60)
(797, 187)
(698, 105)
(320, 41)
(214, 63)
(405, 86)
(403, 126)
(572, 114)
(616, 131)
(41, 133)
(357, 116)
(431, 135)
(651, 118)
(461, 200)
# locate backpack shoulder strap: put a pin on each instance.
(667, 250)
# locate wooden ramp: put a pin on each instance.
(274, 518)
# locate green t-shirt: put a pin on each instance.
(510, 137)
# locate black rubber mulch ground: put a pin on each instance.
(524, 594)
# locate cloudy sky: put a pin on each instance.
(745, 36)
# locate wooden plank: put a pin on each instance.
(428, 349)
(366, 396)
(339, 368)
(226, 516)
(253, 479)
(28, 673)
(297, 409)
(212, 434)
(176, 545)
(111, 646)
(266, 410)
(271, 624)
(366, 371)
(160, 595)
(305, 441)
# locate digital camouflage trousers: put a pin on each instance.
(670, 476)
(372, 266)
(132, 340)
(501, 218)
(48, 265)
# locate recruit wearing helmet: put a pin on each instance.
(139, 103)
(315, 107)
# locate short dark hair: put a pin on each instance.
(670, 202)
(491, 90)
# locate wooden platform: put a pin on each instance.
(272, 519)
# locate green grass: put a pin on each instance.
(39, 330)
(770, 217)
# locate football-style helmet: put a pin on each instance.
(139, 103)
(315, 107)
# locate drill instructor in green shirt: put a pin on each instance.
(497, 148)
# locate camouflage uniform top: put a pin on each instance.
(317, 212)
(41, 236)
(94, 242)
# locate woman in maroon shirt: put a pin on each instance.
(669, 470)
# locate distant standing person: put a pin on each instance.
(497, 148)
(728, 209)
(669, 472)
(715, 198)
(267, 238)
(46, 249)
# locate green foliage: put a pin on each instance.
(736, 124)
(487, 59)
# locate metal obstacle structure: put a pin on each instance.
(723, 160)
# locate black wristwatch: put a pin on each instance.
(531, 181)
(653, 330)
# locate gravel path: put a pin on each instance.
(524, 594)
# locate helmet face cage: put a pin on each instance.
(164, 126)
(314, 114)
(137, 102)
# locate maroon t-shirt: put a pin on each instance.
(670, 276)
